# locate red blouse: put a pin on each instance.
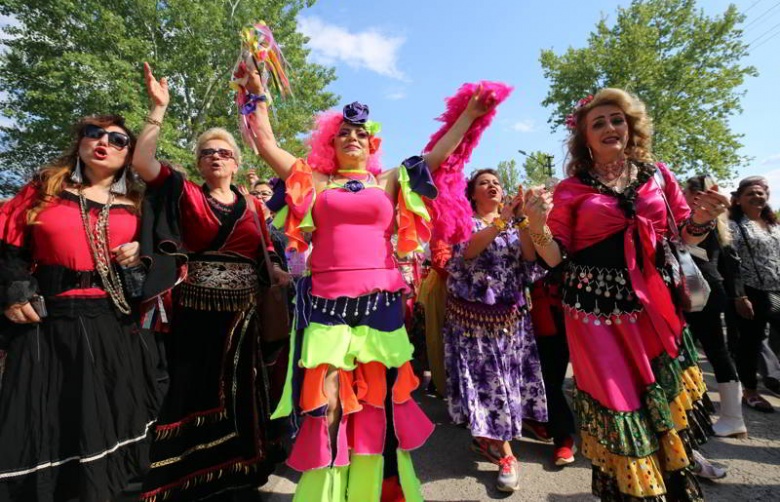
(199, 224)
(57, 236)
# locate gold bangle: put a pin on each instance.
(499, 224)
(542, 239)
(150, 120)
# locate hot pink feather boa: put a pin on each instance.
(451, 211)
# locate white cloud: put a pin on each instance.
(524, 126)
(367, 49)
(395, 96)
(771, 160)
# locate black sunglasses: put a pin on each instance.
(223, 153)
(118, 139)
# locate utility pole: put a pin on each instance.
(548, 161)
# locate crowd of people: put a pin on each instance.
(137, 343)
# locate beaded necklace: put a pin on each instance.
(98, 247)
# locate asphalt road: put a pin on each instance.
(450, 472)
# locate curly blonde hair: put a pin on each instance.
(640, 129)
(55, 177)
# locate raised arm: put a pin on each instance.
(145, 156)
(279, 159)
(481, 102)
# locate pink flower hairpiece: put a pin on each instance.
(571, 119)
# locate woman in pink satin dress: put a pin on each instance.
(639, 390)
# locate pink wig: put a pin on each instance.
(322, 155)
(451, 210)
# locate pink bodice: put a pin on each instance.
(351, 250)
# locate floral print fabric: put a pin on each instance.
(497, 275)
(493, 382)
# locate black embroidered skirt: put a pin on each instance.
(78, 401)
(211, 437)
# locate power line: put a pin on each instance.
(767, 39)
(763, 35)
(761, 18)
(751, 6)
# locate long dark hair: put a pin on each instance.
(736, 213)
(54, 177)
(471, 186)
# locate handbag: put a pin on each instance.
(692, 288)
(772, 297)
(272, 301)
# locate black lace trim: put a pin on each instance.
(626, 198)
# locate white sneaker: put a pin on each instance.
(704, 468)
(508, 475)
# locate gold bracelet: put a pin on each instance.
(523, 223)
(150, 120)
(499, 224)
(542, 239)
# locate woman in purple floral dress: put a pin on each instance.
(494, 378)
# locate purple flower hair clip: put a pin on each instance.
(571, 119)
(356, 113)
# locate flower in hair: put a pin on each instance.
(571, 119)
(373, 128)
(356, 113)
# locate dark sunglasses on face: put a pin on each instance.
(223, 153)
(117, 139)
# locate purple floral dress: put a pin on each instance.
(494, 378)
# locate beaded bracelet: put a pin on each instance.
(698, 229)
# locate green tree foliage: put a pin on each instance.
(684, 65)
(69, 58)
(533, 172)
(509, 175)
(535, 169)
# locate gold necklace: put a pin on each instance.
(98, 247)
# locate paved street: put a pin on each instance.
(450, 472)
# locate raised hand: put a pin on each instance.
(481, 102)
(158, 91)
(254, 83)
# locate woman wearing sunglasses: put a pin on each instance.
(206, 240)
(79, 393)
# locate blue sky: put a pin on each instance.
(404, 57)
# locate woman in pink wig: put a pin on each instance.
(354, 388)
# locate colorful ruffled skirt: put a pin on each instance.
(365, 341)
(641, 410)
